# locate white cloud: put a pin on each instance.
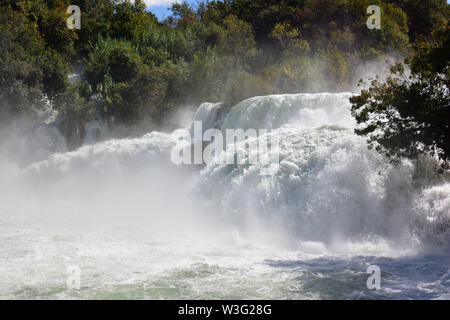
(154, 3)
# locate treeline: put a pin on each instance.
(136, 70)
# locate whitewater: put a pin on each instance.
(137, 226)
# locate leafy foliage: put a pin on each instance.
(138, 70)
(409, 114)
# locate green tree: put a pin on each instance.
(183, 15)
(290, 39)
(28, 70)
(130, 19)
(409, 114)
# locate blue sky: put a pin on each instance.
(160, 7)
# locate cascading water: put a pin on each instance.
(138, 226)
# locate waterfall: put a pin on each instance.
(329, 186)
(122, 205)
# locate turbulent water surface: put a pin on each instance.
(137, 226)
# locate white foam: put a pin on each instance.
(129, 218)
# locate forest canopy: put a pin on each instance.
(135, 71)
